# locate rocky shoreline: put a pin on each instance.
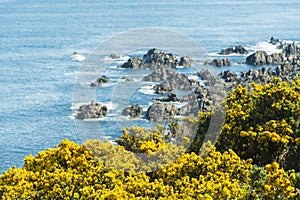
(284, 64)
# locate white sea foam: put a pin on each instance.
(111, 105)
(194, 77)
(119, 60)
(78, 57)
(147, 89)
(76, 106)
(267, 47)
(216, 54)
(179, 104)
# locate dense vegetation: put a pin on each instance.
(256, 157)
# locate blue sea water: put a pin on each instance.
(37, 38)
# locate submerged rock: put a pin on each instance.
(103, 79)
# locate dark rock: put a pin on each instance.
(292, 51)
(159, 111)
(204, 74)
(169, 80)
(261, 58)
(237, 49)
(185, 61)
(190, 105)
(156, 57)
(134, 111)
(103, 79)
(274, 41)
(173, 85)
(229, 76)
(169, 98)
(240, 50)
(221, 62)
(91, 111)
(227, 51)
(257, 58)
(277, 58)
(209, 79)
(162, 74)
(133, 63)
(164, 87)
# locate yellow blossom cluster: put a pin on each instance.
(261, 127)
(278, 184)
(71, 171)
(262, 123)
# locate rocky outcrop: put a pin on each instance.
(274, 41)
(229, 76)
(173, 85)
(159, 112)
(257, 58)
(261, 58)
(169, 80)
(285, 71)
(190, 105)
(185, 61)
(103, 79)
(163, 74)
(220, 62)
(91, 111)
(240, 50)
(133, 63)
(292, 51)
(164, 87)
(155, 59)
(237, 49)
(133, 111)
(209, 79)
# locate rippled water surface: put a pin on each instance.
(37, 38)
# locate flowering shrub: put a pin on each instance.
(261, 127)
(70, 171)
(263, 124)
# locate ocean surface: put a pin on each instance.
(38, 37)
